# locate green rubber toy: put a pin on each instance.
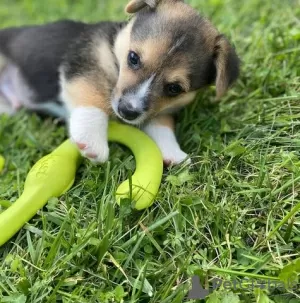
(54, 174)
(2, 162)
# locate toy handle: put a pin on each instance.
(51, 176)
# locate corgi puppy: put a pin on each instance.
(140, 72)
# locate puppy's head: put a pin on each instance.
(165, 54)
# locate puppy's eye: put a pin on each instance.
(173, 89)
(134, 60)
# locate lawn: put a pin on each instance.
(232, 214)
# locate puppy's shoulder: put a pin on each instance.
(93, 50)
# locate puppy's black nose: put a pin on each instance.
(127, 111)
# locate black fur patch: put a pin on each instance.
(79, 58)
(40, 50)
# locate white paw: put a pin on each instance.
(174, 156)
(95, 149)
(88, 130)
(165, 138)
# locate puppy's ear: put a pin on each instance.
(135, 5)
(227, 65)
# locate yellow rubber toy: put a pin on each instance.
(54, 174)
(2, 162)
(149, 165)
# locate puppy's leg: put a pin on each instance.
(161, 130)
(88, 119)
(5, 107)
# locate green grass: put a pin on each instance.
(233, 214)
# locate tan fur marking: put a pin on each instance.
(221, 66)
(127, 78)
(122, 43)
(106, 59)
(165, 120)
(135, 5)
(178, 75)
(175, 10)
(165, 105)
(151, 50)
(81, 92)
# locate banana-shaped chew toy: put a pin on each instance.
(54, 174)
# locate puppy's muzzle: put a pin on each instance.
(127, 111)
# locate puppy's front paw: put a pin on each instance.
(174, 156)
(88, 130)
(167, 143)
(95, 149)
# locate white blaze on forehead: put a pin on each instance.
(136, 98)
(143, 89)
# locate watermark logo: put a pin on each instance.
(199, 292)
